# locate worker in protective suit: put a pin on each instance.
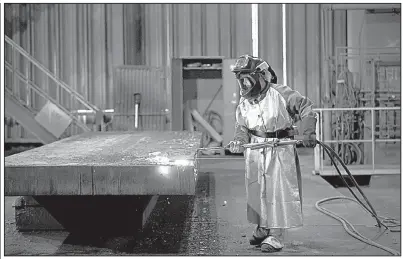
(266, 112)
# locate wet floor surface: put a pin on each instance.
(213, 222)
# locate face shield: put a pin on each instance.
(248, 72)
(246, 84)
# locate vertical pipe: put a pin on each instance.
(137, 97)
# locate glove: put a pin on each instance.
(236, 147)
(309, 126)
(309, 141)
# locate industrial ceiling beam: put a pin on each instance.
(363, 6)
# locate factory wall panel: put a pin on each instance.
(303, 71)
(133, 29)
(81, 42)
(271, 37)
(303, 46)
(154, 34)
(197, 30)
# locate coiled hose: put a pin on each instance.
(347, 225)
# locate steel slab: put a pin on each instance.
(106, 163)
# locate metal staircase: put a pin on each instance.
(26, 117)
(65, 98)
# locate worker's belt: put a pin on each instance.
(287, 133)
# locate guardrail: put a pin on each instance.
(318, 152)
(74, 97)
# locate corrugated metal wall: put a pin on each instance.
(225, 30)
(80, 43)
(149, 83)
(197, 30)
(271, 36)
(84, 41)
(303, 49)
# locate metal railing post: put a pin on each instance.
(28, 93)
(322, 138)
(373, 138)
(14, 83)
(317, 148)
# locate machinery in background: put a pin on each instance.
(364, 110)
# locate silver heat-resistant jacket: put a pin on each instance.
(273, 177)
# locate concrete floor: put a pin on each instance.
(214, 221)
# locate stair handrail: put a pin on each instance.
(39, 91)
(48, 73)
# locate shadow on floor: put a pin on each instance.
(174, 227)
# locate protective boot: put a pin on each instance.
(274, 242)
(259, 234)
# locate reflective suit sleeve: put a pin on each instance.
(241, 131)
(301, 105)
